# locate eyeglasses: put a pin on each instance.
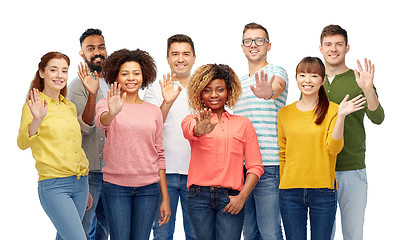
(258, 41)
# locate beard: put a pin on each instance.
(95, 67)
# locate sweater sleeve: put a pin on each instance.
(281, 143)
(253, 159)
(101, 107)
(159, 140)
(333, 146)
(377, 116)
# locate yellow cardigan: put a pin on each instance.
(57, 145)
(307, 151)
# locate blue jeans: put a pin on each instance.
(94, 221)
(262, 215)
(177, 189)
(205, 208)
(321, 203)
(352, 198)
(64, 201)
(130, 210)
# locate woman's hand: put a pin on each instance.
(165, 212)
(203, 123)
(115, 100)
(235, 205)
(347, 107)
(38, 110)
(89, 201)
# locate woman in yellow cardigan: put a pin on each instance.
(310, 133)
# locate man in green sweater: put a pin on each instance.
(350, 168)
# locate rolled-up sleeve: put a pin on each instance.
(188, 125)
(253, 159)
(24, 141)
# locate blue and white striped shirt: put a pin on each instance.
(263, 114)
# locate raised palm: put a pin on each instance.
(203, 123)
(38, 110)
(364, 77)
(115, 100)
(347, 107)
(90, 83)
(169, 92)
(263, 85)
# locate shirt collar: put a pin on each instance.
(226, 114)
(49, 99)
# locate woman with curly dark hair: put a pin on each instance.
(134, 172)
(220, 145)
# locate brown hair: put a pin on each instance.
(114, 62)
(331, 30)
(254, 25)
(207, 73)
(315, 65)
(38, 82)
(181, 38)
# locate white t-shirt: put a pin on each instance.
(177, 150)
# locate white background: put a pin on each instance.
(29, 29)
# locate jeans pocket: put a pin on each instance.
(48, 182)
(326, 190)
(193, 191)
(362, 175)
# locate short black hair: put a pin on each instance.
(90, 32)
(180, 38)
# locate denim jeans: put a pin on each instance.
(205, 208)
(94, 221)
(352, 199)
(64, 201)
(177, 189)
(262, 215)
(320, 203)
(130, 210)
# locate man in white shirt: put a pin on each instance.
(171, 96)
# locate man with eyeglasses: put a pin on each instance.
(264, 93)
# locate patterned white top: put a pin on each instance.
(263, 114)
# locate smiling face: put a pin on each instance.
(181, 59)
(256, 53)
(130, 77)
(55, 76)
(214, 96)
(93, 52)
(334, 49)
(309, 83)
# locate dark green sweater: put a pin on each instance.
(352, 156)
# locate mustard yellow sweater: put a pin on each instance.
(307, 151)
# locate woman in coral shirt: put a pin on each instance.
(220, 145)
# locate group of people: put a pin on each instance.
(113, 164)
